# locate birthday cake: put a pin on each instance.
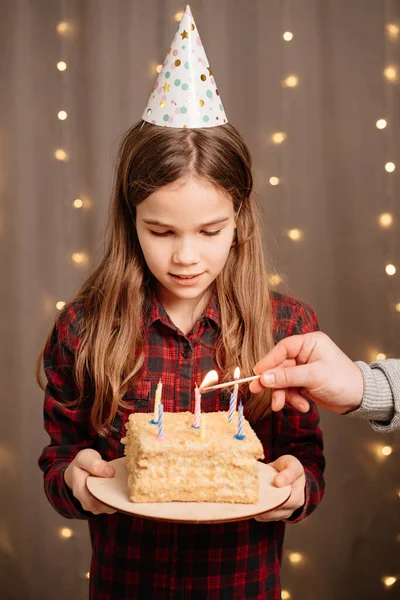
(208, 464)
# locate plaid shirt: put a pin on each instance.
(137, 558)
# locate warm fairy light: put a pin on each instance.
(397, 307)
(66, 533)
(390, 73)
(295, 558)
(288, 36)
(386, 450)
(62, 115)
(60, 305)
(385, 220)
(77, 203)
(392, 30)
(279, 137)
(295, 234)
(285, 595)
(178, 16)
(158, 68)
(80, 258)
(62, 27)
(390, 167)
(380, 451)
(274, 280)
(390, 269)
(88, 575)
(291, 81)
(389, 581)
(274, 180)
(60, 154)
(380, 356)
(381, 123)
(61, 65)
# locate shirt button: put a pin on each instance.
(185, 353)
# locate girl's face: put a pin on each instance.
(185, 231)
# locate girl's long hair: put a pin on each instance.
(117, 296)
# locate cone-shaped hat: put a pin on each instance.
(185, 93)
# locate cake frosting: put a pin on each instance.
(185, 466)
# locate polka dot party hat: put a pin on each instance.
(185, 93)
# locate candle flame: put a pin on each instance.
(211, 378)
(236, 373)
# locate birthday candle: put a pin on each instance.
(197, 408)
(160, 420)
(157, 401)
(234, 395)
(240, 435)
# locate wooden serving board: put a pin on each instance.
(114, 492)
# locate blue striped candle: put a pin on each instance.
(240, 435)
(160, 421)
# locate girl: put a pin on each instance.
(181, 290)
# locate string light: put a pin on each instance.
(291, 81)
(60, 305)
(62, 115)
(389, 581)
(77, 203)
(390, 73)
(279, 137)
(380, 356)
(397, 307)
(178, 16)
(274, 180)
(60, 154)
(274, 279)
(386, 450)
(158, 68)
(66, 533)
(80, 258)
(61, 65)
(295, 558)
(381, 123)
(288, 36)
(390, 269)
(285, 595)
(392, 30)
(390, 167)
(64, 28)
(88, 575)
(295, 234)
(385, 220)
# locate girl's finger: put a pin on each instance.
(90, 460)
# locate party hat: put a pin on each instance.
(185, 93)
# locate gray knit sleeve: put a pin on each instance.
(381, 400)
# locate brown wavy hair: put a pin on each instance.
(117, 295)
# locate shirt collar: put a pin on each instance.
(158, 313)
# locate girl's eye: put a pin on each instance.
(212, 233)
(158, 234)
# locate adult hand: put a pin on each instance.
(290, 472)
(311, 364)
(88, 462)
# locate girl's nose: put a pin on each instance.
(185, 252)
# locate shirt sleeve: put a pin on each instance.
(381, 398)
(68, 425)
(299, 434)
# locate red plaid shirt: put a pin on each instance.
(137, 558)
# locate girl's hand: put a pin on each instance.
(290, 472)
(88, 462)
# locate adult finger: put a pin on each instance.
(299, 376)
(278, 400)
(297, 400)
(287, 348)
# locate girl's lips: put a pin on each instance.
(185, 279)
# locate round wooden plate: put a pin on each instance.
(114, 492)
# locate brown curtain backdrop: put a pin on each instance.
(333, 186)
